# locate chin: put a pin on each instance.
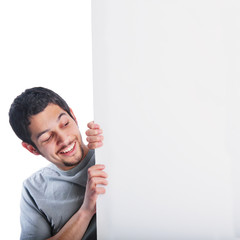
(77, 161)
(70, 164)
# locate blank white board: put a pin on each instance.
(167, 94)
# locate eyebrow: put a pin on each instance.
(47, 130)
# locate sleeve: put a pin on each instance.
(34, 224)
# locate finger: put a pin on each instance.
(97, 174)
(97, 181)
(95, 145)
(93, 125)
(97, 191)
(96, 167)
(93, 139)
(93, 132)
(100, 190)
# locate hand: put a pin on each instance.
(96, 176)
(94, 137)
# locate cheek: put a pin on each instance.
(47, 150)
(75, 131)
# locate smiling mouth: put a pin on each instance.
(68, 149)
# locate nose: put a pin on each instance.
(62, 138)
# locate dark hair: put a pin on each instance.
(32, 101)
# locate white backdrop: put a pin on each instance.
(42, 43)
(166, 92)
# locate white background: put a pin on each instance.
(42, 43)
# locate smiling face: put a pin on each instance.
(57, 137)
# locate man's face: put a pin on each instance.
(57, 137)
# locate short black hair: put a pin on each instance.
(31, 102)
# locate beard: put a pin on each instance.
(72, 164)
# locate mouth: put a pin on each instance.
(69, 149)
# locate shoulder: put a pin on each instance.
(40, 179)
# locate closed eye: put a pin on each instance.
(46, 140)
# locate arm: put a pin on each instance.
(77, 225)
(75, 228)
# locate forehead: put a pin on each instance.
(45, 119)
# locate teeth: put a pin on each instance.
(68, 149)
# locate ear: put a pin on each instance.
(73, 116)
(30, 148)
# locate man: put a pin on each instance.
(59, 201)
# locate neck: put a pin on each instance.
(85, 151)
